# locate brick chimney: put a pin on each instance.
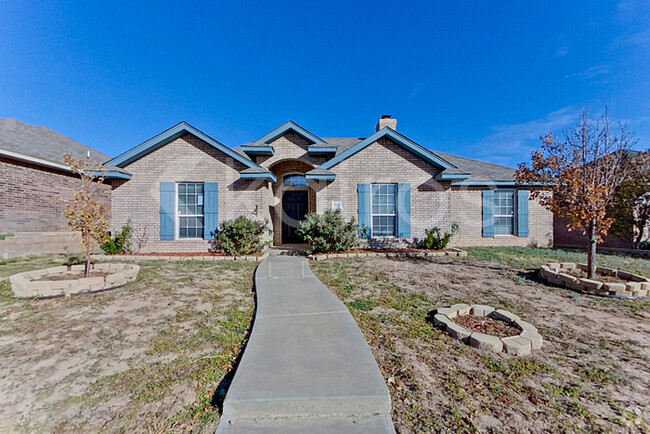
(386, 121)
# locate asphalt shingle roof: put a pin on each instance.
(480, 170)
(42, 142)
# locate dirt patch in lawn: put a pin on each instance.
(71, 276)
(593, 373)
(487, 325)
(145, 358)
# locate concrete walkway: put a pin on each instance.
(307, 366)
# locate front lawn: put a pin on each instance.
(522, 257)
(147, 357)
(592, 374)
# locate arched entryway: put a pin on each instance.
(294, 200)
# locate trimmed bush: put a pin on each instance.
(121, 242)
(328, 232)
(241, 236)
(436, 240)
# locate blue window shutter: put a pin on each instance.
(404, 210)
(167, 214)
(210, 209)
(522, 212)
(488, 213)
(364, 207)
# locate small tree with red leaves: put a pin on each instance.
(86, 211)
(583, 173)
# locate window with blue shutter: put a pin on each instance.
(167, 214)
(522, 212)
(488, 214)
(404, 210)
(364, 208)
(211, 209)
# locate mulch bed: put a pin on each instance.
(405, 250)
(71, 276)
(178, 254)
(487, 325)
(599, 277)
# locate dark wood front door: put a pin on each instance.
(294, 206)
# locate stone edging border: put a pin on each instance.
(448, 252)
(638, 286)
(520, 345)
(180, 258)
(24, 285)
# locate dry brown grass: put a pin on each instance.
(593, 373)
(147, 357)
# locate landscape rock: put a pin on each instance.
(486, 342)
(461, 308)
(517, 345)
(534, 338)
(481, 310)
(457, 331)
(504, 315)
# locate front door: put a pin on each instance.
(294, 206)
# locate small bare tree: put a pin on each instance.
(583, 173)
(86, 211)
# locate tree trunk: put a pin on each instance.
(88, 253)
(591, 253)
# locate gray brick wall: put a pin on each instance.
(432, 203)
(186, 159)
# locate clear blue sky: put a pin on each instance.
(482, 79)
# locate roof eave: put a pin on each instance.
(395, 137)
(259, 177)
(169, 135)
(260, 150)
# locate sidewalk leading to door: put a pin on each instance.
(307, 366)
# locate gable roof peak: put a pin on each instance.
(170, 134)
(285, 128)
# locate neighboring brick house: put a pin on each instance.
(33, 181)
(184, 183)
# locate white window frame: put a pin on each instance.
(178, 215)
(372, 214)
(513, 215)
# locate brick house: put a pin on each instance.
(33, 180)
(183, 183)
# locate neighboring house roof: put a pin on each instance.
(42, 142)
(480, 170)
(45, 147)
(177, 131)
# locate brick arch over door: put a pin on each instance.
(280, 169)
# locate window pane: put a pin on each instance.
(504, 203)
(504, 225)
(383, 226)
(190, 227)
(190, 210)
(295, 180)
(383, 199)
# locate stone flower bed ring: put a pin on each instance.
(485, 328)
(608, 282)
(68, 279)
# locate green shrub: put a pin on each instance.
(241, 236)
(328, 232)
(77, 260)
(121, 242)
(436, 240)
